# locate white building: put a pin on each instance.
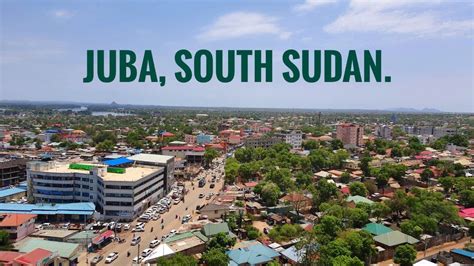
(118, 193)
(293, 137)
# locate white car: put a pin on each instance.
(138, 229)
(137, 260)
(173, 232)
(126, 227)
(154, 243)
(111, 257)
(146, 252)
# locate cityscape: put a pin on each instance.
(96, 184)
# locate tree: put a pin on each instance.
(252, 233)
(177, 259)
(310, 145)
(411, 228)
(371, 186)
(336, 144)
(345, 177)
(447, 183)
(379, 210)
(220, 241)
(466, 198)
(269, 192)
(426, 175)
(5, 243)
(364, 164)
(328, 228)
(106, 145)
(332, 250)
(285, 232)
(215, 257)
(231, 170)
(346, 261)
(361, 244)
(303, 179)
(404, 255)
(209, 156)
(358, 217)
(358, 188)
(324, 191)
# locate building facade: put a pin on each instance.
(12, 172)
(118, 193)
(350, 134)
(292, 137)
(264, 142)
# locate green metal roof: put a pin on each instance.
(358, 199)
(395, 238)
(376, 229)
(214, 229)
(65, 250)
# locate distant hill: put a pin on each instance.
(413, 110)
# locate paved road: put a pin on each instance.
(191, 200)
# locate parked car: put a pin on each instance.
(126, 227)
(111, 257)
(136, 240)
(96, 259)
(146, 252)
(154, 243)
(137, 260)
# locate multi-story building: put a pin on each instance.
(292, 137)
(12, 172)
(165, 161)
(261, 141)
(118, 193)
(350, 134)
(18, 226)
(180, 151)
(384, 131)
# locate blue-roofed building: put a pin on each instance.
(80, 212)
(14, 193)
(463, 256)
(251, 253)
(293, 255)
(118, 162)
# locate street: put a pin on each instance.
(188, 206)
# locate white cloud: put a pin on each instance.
(240, 24)
(402, 16)
(312, 4)
(62, 13)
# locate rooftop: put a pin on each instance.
(65, 250)
(131, 174)
(14, 219)
(376, 229)
(11, 191)
(45, 233)
(151, 158)
(395, 238)
(81, 208)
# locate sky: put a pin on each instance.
(427, 49)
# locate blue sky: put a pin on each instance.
(427, 49)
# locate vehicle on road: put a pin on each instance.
(201, 196)
(111, 257)
(146, 252)
(96, 259)
(126, 227)
(138, 229)
(136, 240)
(137, 260)
(154, 243)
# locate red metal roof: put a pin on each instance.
(467, 213)
(15, 219)
(35, 256)
(98, 239)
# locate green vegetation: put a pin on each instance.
(405, 255)
(177, 259)
(285, 232)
